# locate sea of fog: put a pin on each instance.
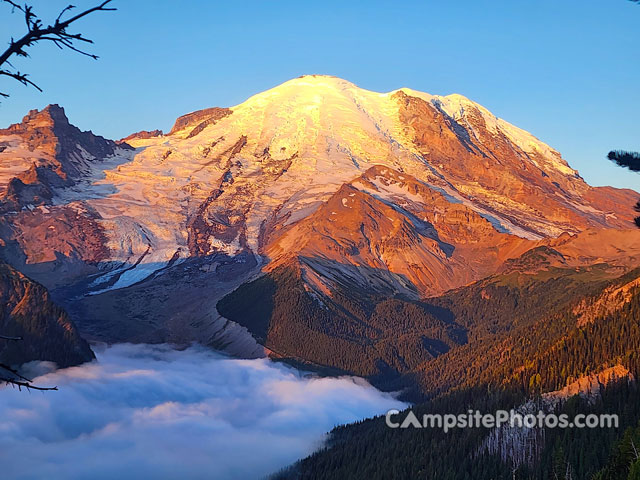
(143, 411)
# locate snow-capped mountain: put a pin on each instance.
(400, 191)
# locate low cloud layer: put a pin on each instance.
(152, 412)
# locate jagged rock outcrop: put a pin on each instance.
(45, 153)
(199, 120)
(141, 135)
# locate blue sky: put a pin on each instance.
(565, 70)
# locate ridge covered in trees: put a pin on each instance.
(371, 450)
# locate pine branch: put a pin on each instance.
(622, 158)
(37, 32)
(630, 160)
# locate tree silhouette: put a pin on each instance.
(38, 32)
(630, 160)
(12, 377)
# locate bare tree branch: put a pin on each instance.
(14, 372)
(36, 32)
(21, 77)
(22, 384)
(15, 379)
(4, 337)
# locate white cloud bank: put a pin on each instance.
(146, 411)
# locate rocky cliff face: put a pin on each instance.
(47, 332)
(46, 149)
(417, 241)
(198, 120)
(399, 192)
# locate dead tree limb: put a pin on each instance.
(37, 32)
(23, 384)
(14, 378)
(4, 337)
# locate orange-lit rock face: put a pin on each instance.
(387, 224)
(198, 120)
(506, 169)
(66, 231)
(403, 190)
(141, 135)
(46, 139)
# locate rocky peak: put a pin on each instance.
(45, 152)
(49, 131)
(199, 119)
(141, 135)
(51, 115)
